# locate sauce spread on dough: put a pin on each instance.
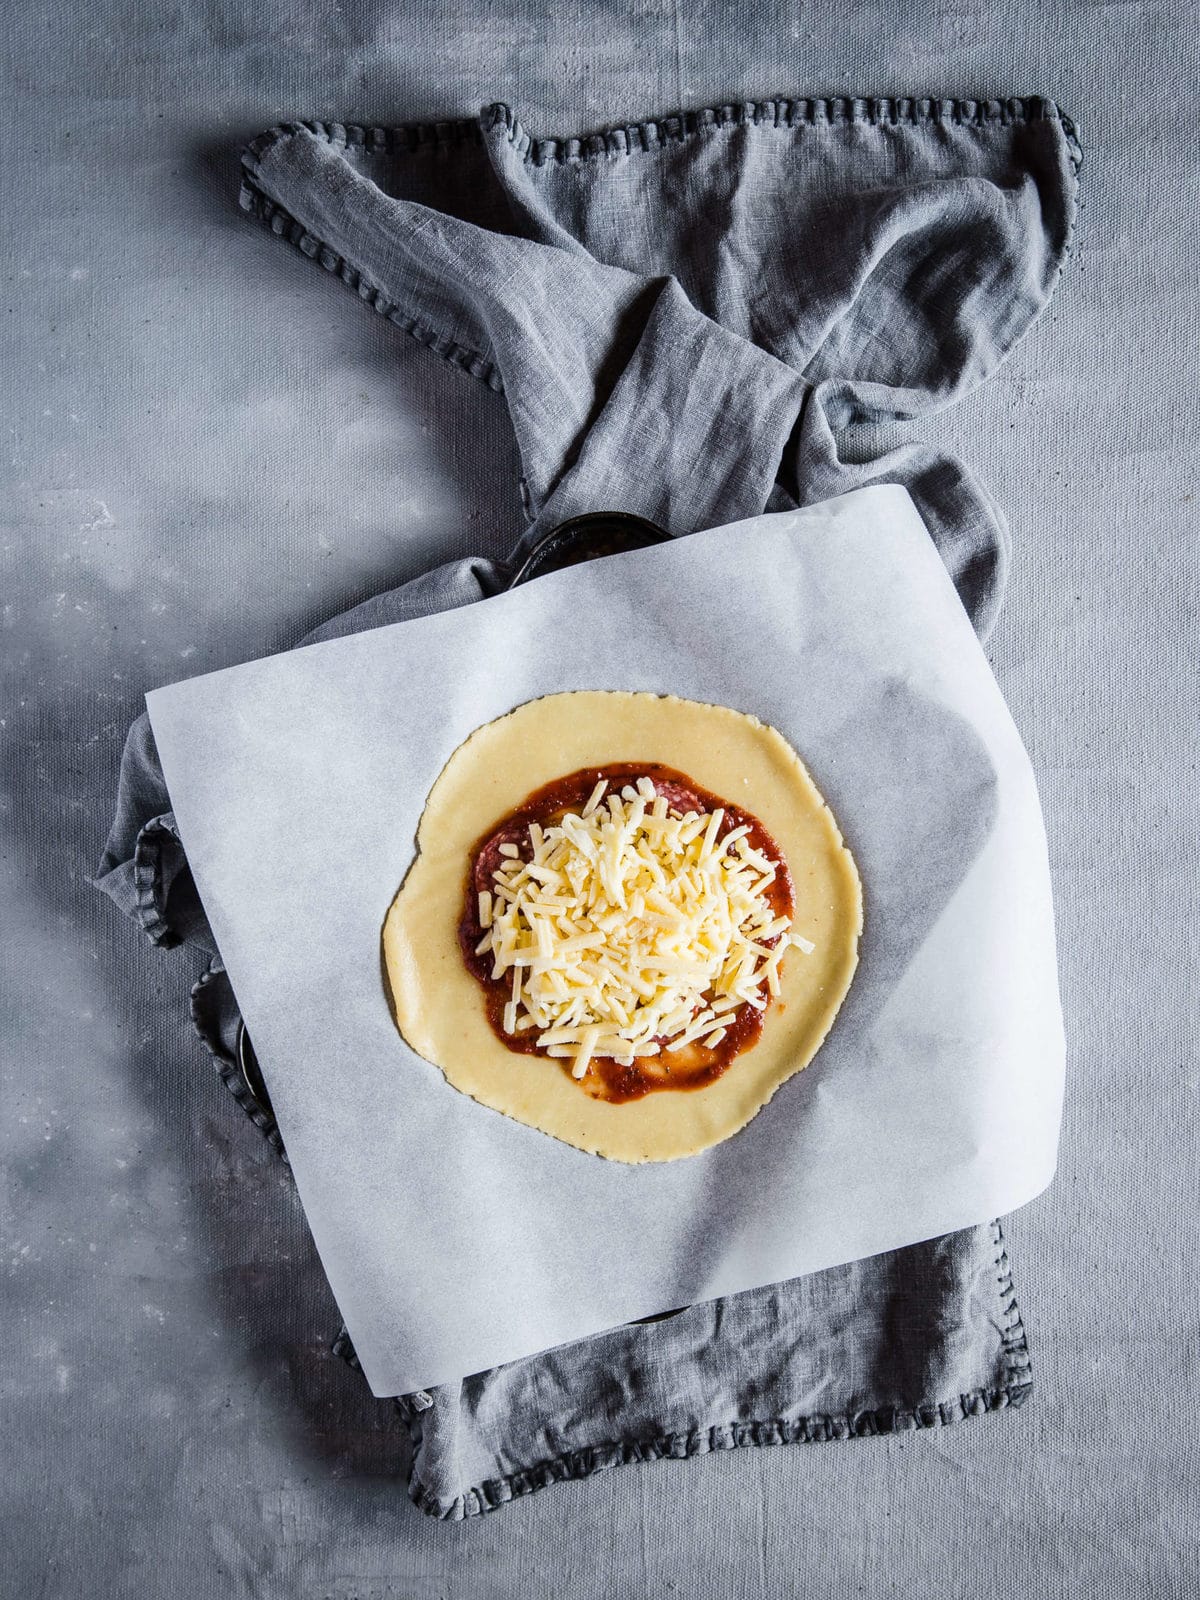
(694, 1065)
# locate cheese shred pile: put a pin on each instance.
(632, 930)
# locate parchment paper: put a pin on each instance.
(454, 1238)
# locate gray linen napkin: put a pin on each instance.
(694, 319)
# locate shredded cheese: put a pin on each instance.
(632, 929)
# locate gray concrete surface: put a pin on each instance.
(208, 448)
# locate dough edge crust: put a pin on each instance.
(438, 1006)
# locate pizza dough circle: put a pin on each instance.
(439, 1006)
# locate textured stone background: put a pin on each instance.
(209, 447)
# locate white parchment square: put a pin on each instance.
(455, 1238)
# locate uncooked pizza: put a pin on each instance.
(630, 919)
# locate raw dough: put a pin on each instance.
(439, 1007)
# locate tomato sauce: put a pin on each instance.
(694, 1065)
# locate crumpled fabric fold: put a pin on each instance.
(696, 319)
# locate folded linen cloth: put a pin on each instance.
(693, 320)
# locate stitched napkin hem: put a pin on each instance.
(616, 141)
(492, 1493)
